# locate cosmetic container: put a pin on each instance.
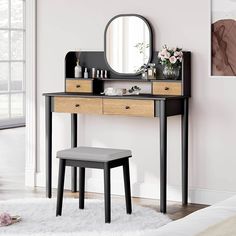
(105, 74)
(78, 70)
(86, 73)
(97, 74)
(93, 72)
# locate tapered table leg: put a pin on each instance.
(81, 187)
(73, 144)
(127, 187)
(60, 187)
(107, 192)
(48, 146)
(163, 155)
(184, 124)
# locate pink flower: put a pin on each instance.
(5, 219)
(173, 59)
(176, 54)
(180, 59)
(160, 54)
(167, 55)
(163, 52)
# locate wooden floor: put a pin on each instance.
(10, 189)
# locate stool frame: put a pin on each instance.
(106, 166)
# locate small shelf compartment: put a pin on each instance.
(166, 88)
(79, 86)
(95, 59)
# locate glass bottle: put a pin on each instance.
(78, 70)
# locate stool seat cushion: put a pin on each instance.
(93, 154)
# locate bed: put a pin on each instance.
(203, 222)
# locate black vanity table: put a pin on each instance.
(83, 96)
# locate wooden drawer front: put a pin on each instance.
(128, 107)
(167, 88)
(78, 105)
(79, 85)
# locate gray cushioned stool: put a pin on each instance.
(99, 158)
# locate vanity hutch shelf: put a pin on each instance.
(160, 86)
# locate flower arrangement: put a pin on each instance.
(171, 57)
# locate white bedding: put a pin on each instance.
(199, 220)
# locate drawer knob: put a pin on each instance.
(167, 88)
(127, 107)
(77, 105)
(77, 86)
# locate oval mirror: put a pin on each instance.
(128, 44)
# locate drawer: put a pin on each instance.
(167, 88)
(79, 86)
(128, 107)
(78, 105)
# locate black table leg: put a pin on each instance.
(81, 187)
(60, 187)
(107, 192)
(48, 146)
(127, 187)
(184, 124)
(73, 144)
(163, 153)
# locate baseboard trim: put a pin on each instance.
(146, 190)
(208, 196)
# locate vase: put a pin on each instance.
(171, 72)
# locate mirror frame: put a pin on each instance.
(151, 43)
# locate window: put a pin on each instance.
(12, 63)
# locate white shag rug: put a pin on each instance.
(39, 219)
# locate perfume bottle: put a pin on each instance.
(151, 71)
(101, 74)
(93, 72)
(78, 70)
(105, 74)
(144, 75)
(97, 74)
(85, 73)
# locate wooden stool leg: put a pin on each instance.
(60, 188)
(107, 192)
(81, 187)
(127, 187)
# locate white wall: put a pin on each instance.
(72, 25)
(12, 158)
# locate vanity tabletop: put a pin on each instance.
(140, 96)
